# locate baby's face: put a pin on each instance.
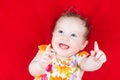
(68, 36)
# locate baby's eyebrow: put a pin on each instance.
(75, 32)
(58, 28)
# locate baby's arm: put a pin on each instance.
(95, 60)
(39, 63)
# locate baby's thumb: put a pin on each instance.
(48, 47)
(92, 53)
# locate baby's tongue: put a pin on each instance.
(63, 46)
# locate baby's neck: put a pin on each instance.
(62, 57)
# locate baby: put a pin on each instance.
(64, 59)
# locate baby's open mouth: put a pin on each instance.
(63, 46)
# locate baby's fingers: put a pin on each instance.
(96, 47)
(48, 55)
(102, 58)
(46, 60)
(98, 54)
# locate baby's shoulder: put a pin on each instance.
(42, 48)
(83, 53)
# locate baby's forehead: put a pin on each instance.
(70, 24)
(69, 21)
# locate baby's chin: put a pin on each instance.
(64, 53)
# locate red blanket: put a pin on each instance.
(25, 24)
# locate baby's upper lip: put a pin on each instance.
(63, 46)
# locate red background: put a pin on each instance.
(24, 24)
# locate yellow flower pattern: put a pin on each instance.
(62, 69)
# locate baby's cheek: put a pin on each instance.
(75, 48)
(55, 39)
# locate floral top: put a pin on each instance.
(68, 69)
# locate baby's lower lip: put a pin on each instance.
(63, 46)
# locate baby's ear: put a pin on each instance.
(53, 32)
(84, 44)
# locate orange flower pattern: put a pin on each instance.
(57, 78)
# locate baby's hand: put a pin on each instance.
(98, 54)
(47, 57)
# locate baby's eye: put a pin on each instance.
(73, 35)
(60, 31)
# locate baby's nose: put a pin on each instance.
(65, 38)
